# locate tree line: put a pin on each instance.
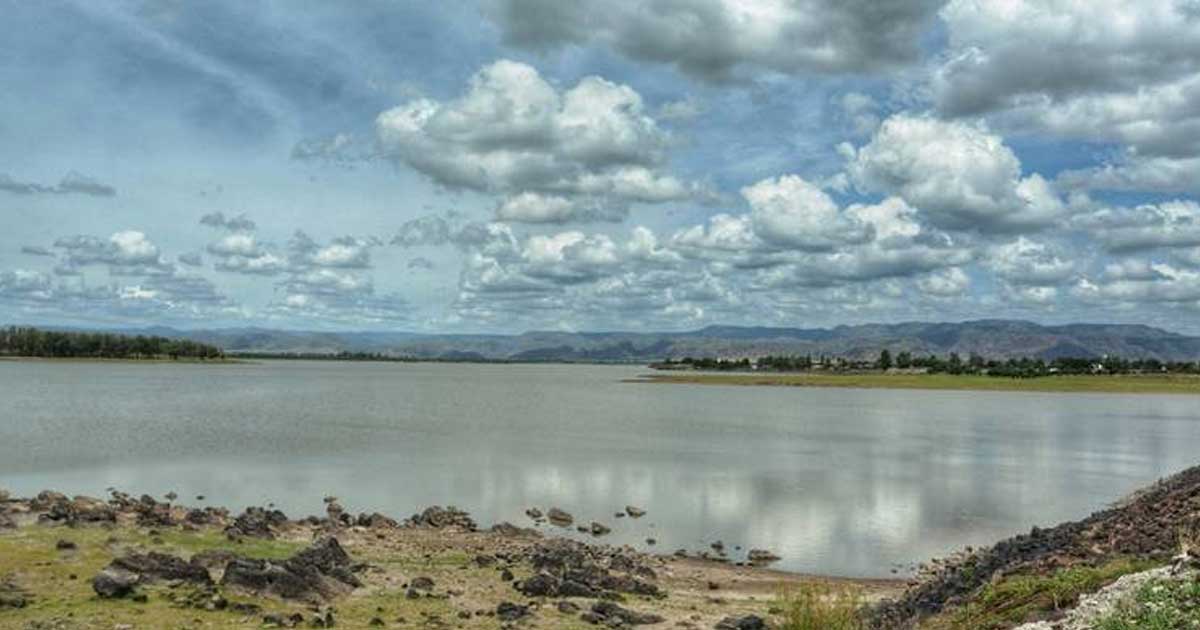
(34, 342)
(954, 363)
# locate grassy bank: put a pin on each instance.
(1124, 384)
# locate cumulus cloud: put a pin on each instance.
(240, 223)
(1169, 224)
(128, 252)
(723, 40)
(1027, 263)
(1108, 71)
(580, 154)
(960, 176)
(71, 183)
(1139, 282)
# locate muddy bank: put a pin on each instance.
(142, 562)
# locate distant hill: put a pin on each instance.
(999, 339)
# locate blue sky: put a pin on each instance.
(506, 165)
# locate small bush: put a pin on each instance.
(822, 607)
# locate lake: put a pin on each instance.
(837, 481)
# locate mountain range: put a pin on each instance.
(998, 339)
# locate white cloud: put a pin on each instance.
(960, 176)
(721, 40)
(581, 154)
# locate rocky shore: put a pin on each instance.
(140, 562)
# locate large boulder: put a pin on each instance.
(155, 566)
(318, 573)
(439, 517)
(114, 583)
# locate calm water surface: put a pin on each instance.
(838, 481)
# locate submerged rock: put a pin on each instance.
(560, 518)
(761, 556)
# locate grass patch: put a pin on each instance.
(822, 607)
(1159, 605)
(1123, 384)
(1020, 598)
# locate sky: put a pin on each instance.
(510, 165)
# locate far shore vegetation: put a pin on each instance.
(25, 342)
(1098, 374)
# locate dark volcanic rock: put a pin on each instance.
(257, 522)
(422, 583)
(749, 622)
(635, 512)
(376, 521)
(318, 573)
(559, 517)
(512, 531)
(599, 529)
(761, 556)
(508, 611)
(608, 611)
(113, 583)
(438, 517)
(160, 566)
(57, 508)
(570, 569)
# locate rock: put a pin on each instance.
(7, 522)
(599, 529)
(155, 566)
(170, 496)
(718, 547)
(320, 572)
(376, 622)
(761, 556)
(512, 531)
(534, 514)
(377, 521)
(507, 575)
(568, 607)
(559, 517)
(508, 611)
(11, 596)
(257, 522)
(114, 583)
(635, 512)
(45, 499)
(609, 611)
(651, 541)
(749, 622)
(422, 584)
(540, 585)
(484, 560)
(437, 517)
(65, 545)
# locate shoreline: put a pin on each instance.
(1101, 384)
(54, 546)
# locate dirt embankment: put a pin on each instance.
(1145, 526)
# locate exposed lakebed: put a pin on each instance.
(836, 481)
